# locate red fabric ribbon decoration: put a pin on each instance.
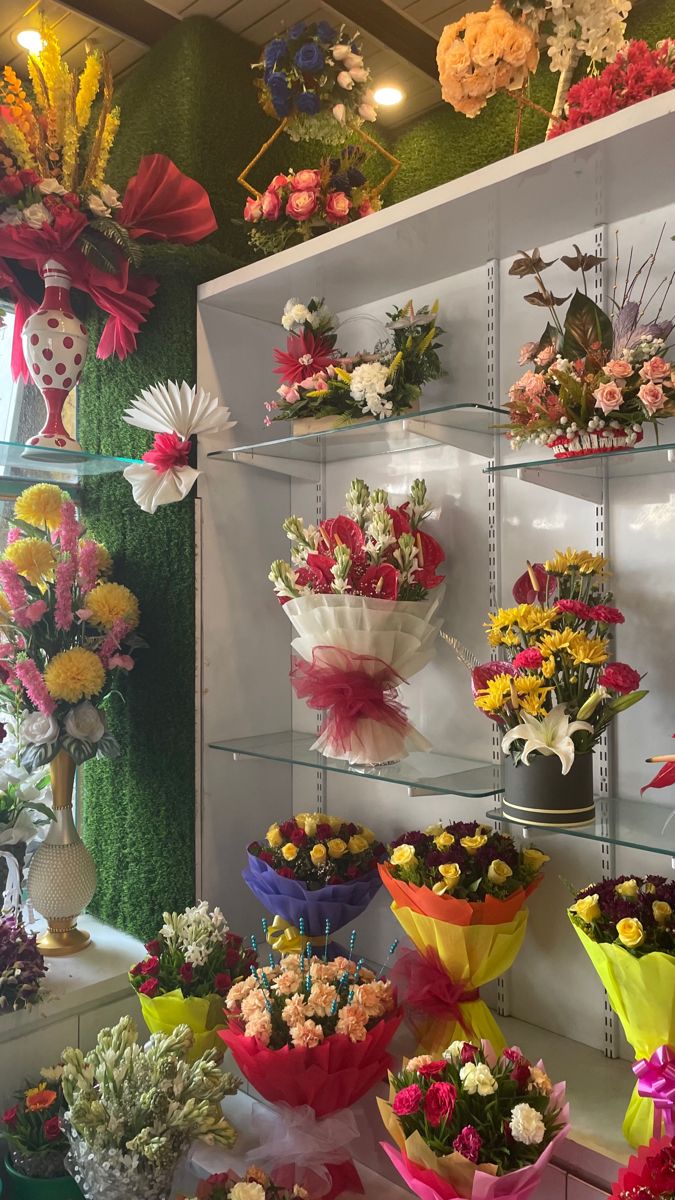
(162, 203)
(656, 1082)
(352, 687)
(426, 988)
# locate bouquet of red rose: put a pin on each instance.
(191, 965)
(459, 892)
(650, 1174)
(473, 1124)
(311, 1036)
(358, 591)
(627, 928)
(32, 1130)
(315, 873)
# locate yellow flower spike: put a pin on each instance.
(90, 80)
(396, 362)
(342, 374)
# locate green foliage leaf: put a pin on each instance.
(104, 240)
(108, 747)
(38, 756)
(79, 751)
(587, 328)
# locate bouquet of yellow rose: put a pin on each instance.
(627, 929)
(65, 629)
(459, 892)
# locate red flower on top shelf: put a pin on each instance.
(637, 73)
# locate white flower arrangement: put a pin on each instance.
(24, 794)
(194, 933)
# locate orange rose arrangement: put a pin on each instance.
(481, 54)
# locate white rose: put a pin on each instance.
(367, 112)
(84, 723)
(527, 1125)
(453, 1052)
(39, 729)
(477, 1077)
(359, 74)
(350, 61)
(35, 216)
(339, 112)
(340, 52)
(247, 1191)
(51, 187)
(109, 196)
(96, 206)
(345, 81)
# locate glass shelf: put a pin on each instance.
(634, 824)
(438, 774)
(471, 427)
(583, 477)
(23, 464)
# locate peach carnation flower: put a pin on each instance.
(320, 999)
(294, 1011)
(352, 1021)
(309, 1034)
(287, 983)
(260, 1027)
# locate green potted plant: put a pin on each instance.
(37, 1145)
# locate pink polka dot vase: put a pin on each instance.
(55, 346)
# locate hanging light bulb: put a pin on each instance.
(30, 39)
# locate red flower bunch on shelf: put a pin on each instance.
(194, 952)
(650, 1174)
(32, 1129)
(637, 73)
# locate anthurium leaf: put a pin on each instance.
(587, 328)
(78, 750)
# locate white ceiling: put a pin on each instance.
(255, 20)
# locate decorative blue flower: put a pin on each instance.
(296, 31)
(309, 58)
(273, 51)
(282, 104)
(277, 82)
(326, 33)
(308, 102)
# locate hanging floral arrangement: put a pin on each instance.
(484, 53)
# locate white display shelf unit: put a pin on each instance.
(454, 243)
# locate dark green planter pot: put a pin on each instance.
(26, 1187)
(541, 796)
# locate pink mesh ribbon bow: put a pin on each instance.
(656, 1082)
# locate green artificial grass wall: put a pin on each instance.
(444, 145)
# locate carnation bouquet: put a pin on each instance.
(301, 204)
(357, 591)
(558, 691)
(459, 892)
(650, 1174)
(67, 631)
(55, 203)
(256, 1185)
(596, 377)
(32, 1129)
(473, 1124)
(190, 967)
(320, 383)
(133, 1110)
(627, 928)
(316, 873)
(311, 1036)
(22, 967)
(637, 72)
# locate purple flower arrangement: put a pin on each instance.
(22, 967)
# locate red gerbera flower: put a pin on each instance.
(305, 354)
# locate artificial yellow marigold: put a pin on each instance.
(74, 675)
(111, 602)
(34, 559)
(41, 506)
(588, 650)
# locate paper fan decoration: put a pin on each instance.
(174, 413)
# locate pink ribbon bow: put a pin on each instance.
(656, 1082)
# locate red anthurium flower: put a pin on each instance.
(168, 451)
(342, 531)
(305, 354)
(400, 519)
(318, 571)
(380, 581)
(430, 556)
(663, 778)
(524, 591)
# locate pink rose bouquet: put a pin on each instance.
(301, 204)
(470, 1123)
(311, 1036)
(594, 380)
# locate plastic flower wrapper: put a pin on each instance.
(649, 1174)
(316, 873)
(190, 967)
(316, 1046)
(641, 992)
(494, 1123)
(174, 413)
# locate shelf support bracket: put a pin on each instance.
(579, 486)
(281, 466)
(471, 440)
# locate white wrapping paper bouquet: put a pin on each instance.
(362, 592)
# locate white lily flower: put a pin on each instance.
(178, 408)
(551, 734)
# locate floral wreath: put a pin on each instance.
(318, 381)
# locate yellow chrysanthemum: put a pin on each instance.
(576, 560)
(34, 559)
(495, 693)
(588, 650)
(548, 667)
(110, 602)
(500, 637)
(530, 690)
(74, 675)
(553, 643)
(528, 617)
(41, 506)
(535, 703)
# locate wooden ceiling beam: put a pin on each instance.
(392, 28)
(137, 20)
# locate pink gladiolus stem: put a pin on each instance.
(34, 686)
(88, 566)
(69, 531)
(63, 608)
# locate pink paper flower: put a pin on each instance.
(304, 181)
(13, 587)
(337, 207)
(253, 209)
(69, 530)
(608, 397)
(88, 565)
(65, 578)
(618, 368)
(33, 612)
(271, 206)
(655, 369)
(533, 385)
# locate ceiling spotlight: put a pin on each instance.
(30, 40)
(388, 96)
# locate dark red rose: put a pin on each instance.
(222, 982)
(52, 1129)
(136, 970)
(468, 1054)
(323, 831)
(187, 972)
(72, 198)
(29, 178)
(149, 966)
(266, 857)
(286, 872)
(149, 987)
(154, 947)
(335, 879)
(287, 829)
(10, 1115)
(11, 186)
(298, 838)
(432, 1068)
(234, 939)
(232, 956)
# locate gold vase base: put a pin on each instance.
(56, 942)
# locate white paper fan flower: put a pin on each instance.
(178, 408)
(152, 488)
